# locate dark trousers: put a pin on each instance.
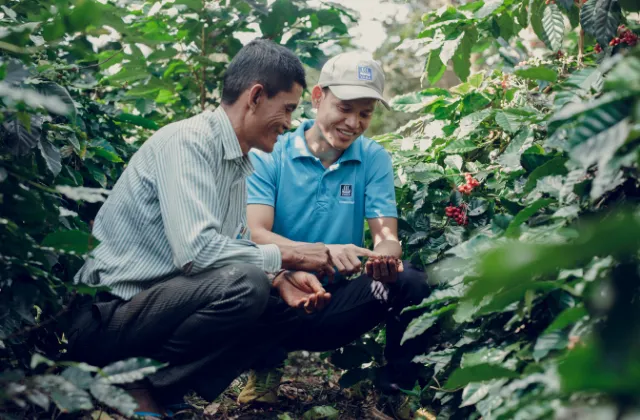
(213, 326)
(356, 307)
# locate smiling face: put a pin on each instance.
(270, 117)
(341, 122)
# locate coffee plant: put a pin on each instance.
(82, 84)
(518, 190)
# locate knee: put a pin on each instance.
(412, 284)
(248, 288)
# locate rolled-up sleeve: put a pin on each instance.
(187, 188)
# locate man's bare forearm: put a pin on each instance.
(389, 247)
(264, 236)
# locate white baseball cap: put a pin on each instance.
(353, 75)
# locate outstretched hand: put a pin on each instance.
(345, 257)
(308, 258)
(302, 290)
(384, 269)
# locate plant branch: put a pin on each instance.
(203, 53)
(32, 328)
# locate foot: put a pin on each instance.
(262, 387)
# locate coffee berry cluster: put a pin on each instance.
(469, 186)
(625, 36)
(458, 214)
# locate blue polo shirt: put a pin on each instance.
(317, 204)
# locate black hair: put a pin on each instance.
(265, 62)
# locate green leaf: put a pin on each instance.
(80, 378)
(113, 396)
(477, 206)
(67, 397)
(607, 17)
(589, 368)
(508, 122)
(427, 172)
(602, 146)
(484, 355)
(137, 120)
(449, 48)
(472, 121)
(422, 323)
(510, 159)
(324, 412)
(625, 75)
(440, 359)
(435, 67)
(436, 297)
(472, 247)
(460, 146)
(553, 27)
(51, 156)
(488, 8)
(555, 166)
(454, 235)
(462, 57)
(474, 392)
(130, 370)
(75, 241)
(630, 5)
(53, 90)
(521, 262)
(567, 317)
(537, 73)
(106, 154)
(454, 162)
(566, 4)
(555, 340)
(514, 227)
(478, 373)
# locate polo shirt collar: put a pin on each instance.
(230, 142)
(300, 149)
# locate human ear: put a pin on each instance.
(255, 96)
(316, 96)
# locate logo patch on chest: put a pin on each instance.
(346, 190)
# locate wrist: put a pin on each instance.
(278, 278)
(291, 257)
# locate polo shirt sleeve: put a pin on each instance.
(379, 193)
(262, 183)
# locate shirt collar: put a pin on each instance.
(300, 149)
(230, 142)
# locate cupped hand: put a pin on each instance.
(302, 290)
(384, 269)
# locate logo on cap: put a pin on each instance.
(365, 73)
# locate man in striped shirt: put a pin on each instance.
(187, 286)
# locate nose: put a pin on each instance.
(287, 123)
(352, 121)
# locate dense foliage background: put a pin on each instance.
(533, 254)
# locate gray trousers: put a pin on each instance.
(213, 326)
(209, 328)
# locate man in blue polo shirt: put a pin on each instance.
(320, 184)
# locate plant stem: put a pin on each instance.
(203, 53)
(581, 38)
(581, 47)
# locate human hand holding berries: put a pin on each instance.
(384, 269)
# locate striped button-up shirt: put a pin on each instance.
(179, 208)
